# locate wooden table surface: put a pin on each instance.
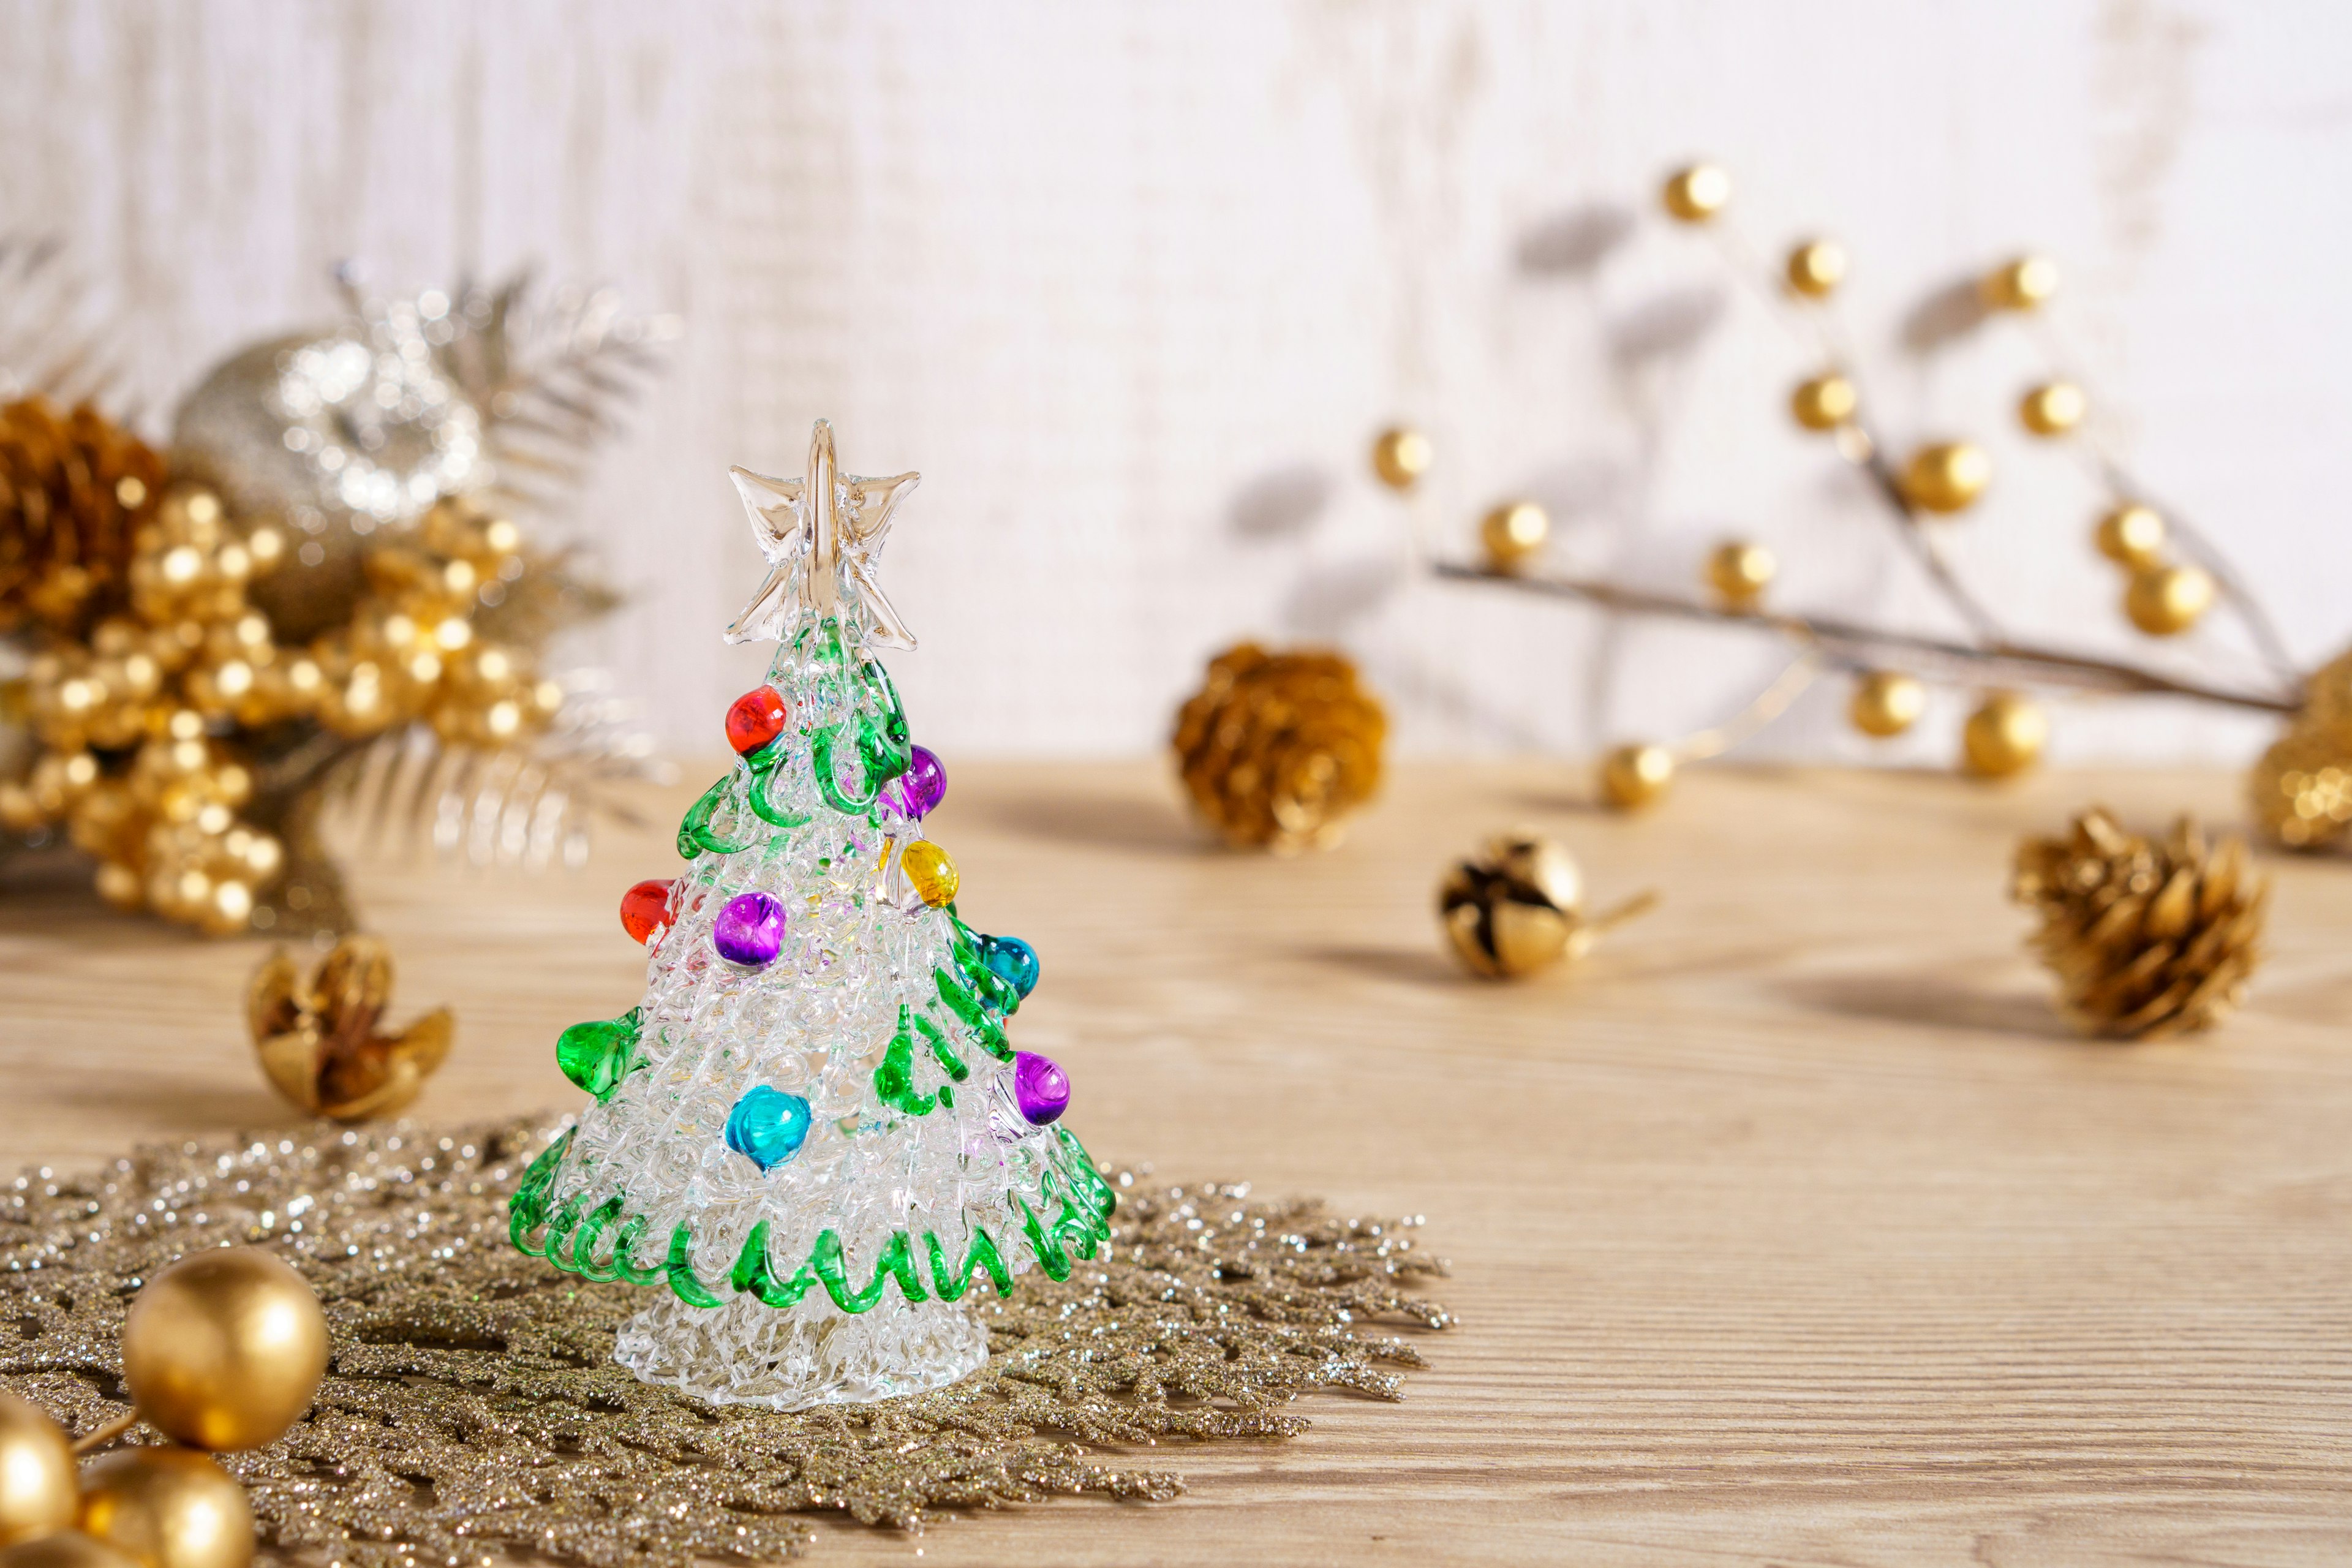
(1790, 1227)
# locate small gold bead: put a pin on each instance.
(1512, 532)
(1886, 702)
(2053, 408)
(2165, 601)
(2025, 283)
(1739, 571)
(1400, 455)
(1636, 776)
(1948, 477)
(2004, 736)
(2132, 535)
(1816, 267)
(1696, 193)
(1825, 403)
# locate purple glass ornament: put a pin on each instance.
(750, 929)
(923, 785)
(1041, 1090)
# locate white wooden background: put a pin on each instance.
(1133, 283)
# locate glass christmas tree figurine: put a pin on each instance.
(812, 1136)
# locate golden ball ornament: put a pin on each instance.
(1512, 532)
(1816, 267)
(2053, 408)
(931, 871)
(2005, 735)
(2023, 283)
(223, 1350)
(1886, 702)
(1635, 776)
(38, 1490)
(1697, 192)
(67, 1549)
(1825, 403)
(1401, 455)
(1739, 571)
(168, 1508)
(2165, 601)
(1947, 477)
(2132, 535)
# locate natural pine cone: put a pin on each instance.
(1276, 747)
(73, 491)
(2301, 788)
(2147, 939)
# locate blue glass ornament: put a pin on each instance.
(768, 1126)
(1010, 960)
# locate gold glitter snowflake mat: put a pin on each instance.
(473, 1410)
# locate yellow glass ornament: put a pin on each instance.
(39, 1491)
(2053, 408)
(1512, 532)
(168, 1508)
(2165, 601)
(2132, 535)
(1947, 477)
(223, 1350)
(1696, 193)
(1816, 267)
(2005, 735)
(1401, 455)
(931, 871)
(2025, 283)
(66, 1549)
(1886, 702)
(1825, 403)
(1636, 776)
(1739, 571)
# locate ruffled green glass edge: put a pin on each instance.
(599, 1244)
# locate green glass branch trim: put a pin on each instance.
(951, 1285)
(999, 993)
(937, 1038)
(975, 1015)
(598, 1057)
(695, 835)
(763, 806)
(894, 1080)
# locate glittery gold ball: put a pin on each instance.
(223, 1350)
(66, 1549)
(2131, 535)
(1947, 477)
(1825, 403)
(1400, 455)
(1739, 571)
(1886, 702)
(1816, 267)
(931, 871)
(1636, 776)
(2025, 283)
(2165, 601)
(38, 1492)
(2053, 408)
(168, 1508)
(1512, 532)
(2004, 736)
(1696, 194)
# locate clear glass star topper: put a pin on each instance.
(821, 534)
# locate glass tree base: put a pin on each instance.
(749, 1353)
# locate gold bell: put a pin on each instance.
(1517, 905)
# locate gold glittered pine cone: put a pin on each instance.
(320, 1045)
(2147, 939)
(2302, 787)
(74, 489)
(1517, 905)
(1276, 747)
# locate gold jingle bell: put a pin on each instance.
(1517, 905)
(2004, 736)
(223, 1350)
(2165, 601)
(1825, 403)
(2132, 535)
(1947, 477)
(39, 1491)
(1635, 776)
(1886, 702)
(1401, 455)
(1816, 267)
(1512, 532)
(168, 1508)
(1739, 571)
(67, 1549)
(1696, 193)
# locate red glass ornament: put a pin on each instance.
(645, 908)
(757, 718)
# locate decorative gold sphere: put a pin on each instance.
(1947, 477)
(2165, 601)
(38, 1492)
(1514, 907)
(1825, 402)
(2053, 408)
(223, 1350)
(2025, 283)
(1739, 571)
(1698, 193)
(66, 1549)
(1512, 532)
(2005, 735)
(1635, 776)
(1886, 702)
(2132, 535)
(1401, 455)
(168, 1508)
(1816, 267)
